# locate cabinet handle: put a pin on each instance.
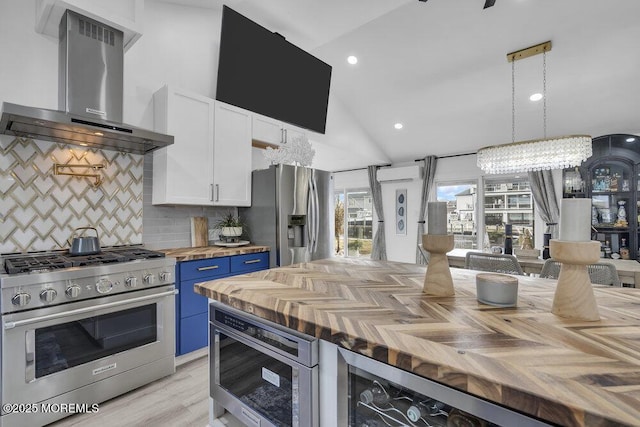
(211, 267)
(211, 191)
(217, 192)
(282, 136)
(285, 136)
(252, 261)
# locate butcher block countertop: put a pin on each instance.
(567, 372)
(190, 254)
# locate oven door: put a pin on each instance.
(259, 386)
(50, 351)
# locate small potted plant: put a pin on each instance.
(230, 227)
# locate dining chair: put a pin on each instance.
(602, 273)
(497, 263)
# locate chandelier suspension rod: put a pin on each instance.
(544, 93)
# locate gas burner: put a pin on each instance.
(136, 253)
(100, 258)
(37, 263)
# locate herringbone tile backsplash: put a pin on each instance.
(41, 210)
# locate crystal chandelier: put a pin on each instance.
(538, 154)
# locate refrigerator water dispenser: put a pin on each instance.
(296, 231)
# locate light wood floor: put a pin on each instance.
(181, 399)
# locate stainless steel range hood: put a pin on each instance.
(90, 94)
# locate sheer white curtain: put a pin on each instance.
(428, 177)
(379, 248)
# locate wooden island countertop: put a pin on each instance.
(571, 373)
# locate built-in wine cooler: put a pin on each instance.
(380, 395)
(377, 402)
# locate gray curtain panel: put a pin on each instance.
(428, 177)
(379, 249)
(544, 194)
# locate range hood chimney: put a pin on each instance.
(90, 95)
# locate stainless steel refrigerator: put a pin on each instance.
(291, 212)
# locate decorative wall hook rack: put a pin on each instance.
(98, 179)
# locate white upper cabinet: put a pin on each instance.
(266, 129)
(272, 131)
(232, 156)
(209, 163)
(183, 172)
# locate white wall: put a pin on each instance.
(345, 145)
(29, 71)
(179, 46)
(401, 247)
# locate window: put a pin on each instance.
(462, 222)
(507, 200)
(353, 219)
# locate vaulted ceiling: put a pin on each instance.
(439, 67)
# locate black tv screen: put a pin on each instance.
(260, 71)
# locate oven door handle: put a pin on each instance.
(30, 321)
(30, 356)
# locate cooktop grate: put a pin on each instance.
(30, 264)
(55, 261)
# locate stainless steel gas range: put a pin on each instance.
(78, 330)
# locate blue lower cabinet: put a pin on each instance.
(193, 332)
(192, 327)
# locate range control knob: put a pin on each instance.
(48, 295)
(165, 276)
(21, 299)
(104, 286)
(149, 279)
(73, 291)
(131, 282)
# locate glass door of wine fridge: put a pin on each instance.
(380, 395)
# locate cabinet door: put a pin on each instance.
(292, 132)
(183, 172)
(267, 130)
(232, 156)
(193, 333)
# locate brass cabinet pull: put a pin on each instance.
(211, 267)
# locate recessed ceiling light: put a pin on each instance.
(398, 126)
(352, 60)
(536, 97)
(630, 139)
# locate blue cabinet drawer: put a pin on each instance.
(249, 262)
(203, 268)
(194, 333)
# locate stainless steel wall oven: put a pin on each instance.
(262, 373)
(83, 334)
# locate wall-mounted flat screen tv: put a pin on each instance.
(260, 71)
